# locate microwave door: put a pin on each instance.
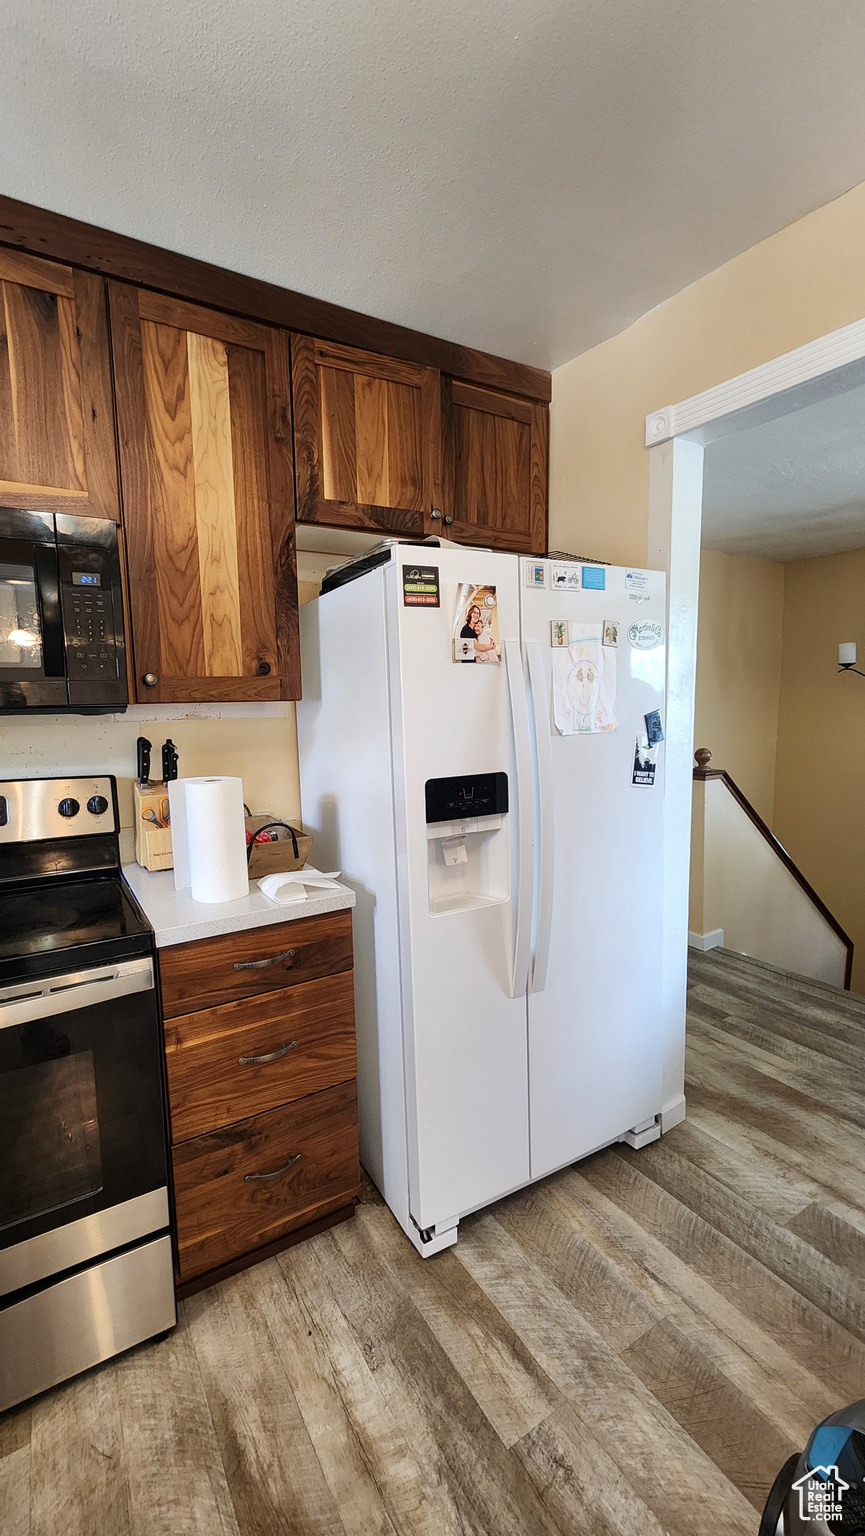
(32, 664)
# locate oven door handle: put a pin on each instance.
(67, 994)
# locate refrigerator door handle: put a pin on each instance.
(525, 812)
(546, 852)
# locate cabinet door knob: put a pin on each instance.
(435, 514)
(449, 517)
(150, 679)
(263, 668)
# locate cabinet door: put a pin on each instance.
(208, 500)
(367, 439)
(495, 468)
(57, 451)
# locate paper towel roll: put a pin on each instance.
(216, 838)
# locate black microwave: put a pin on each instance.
(62, 644)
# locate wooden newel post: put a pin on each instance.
(702, 757)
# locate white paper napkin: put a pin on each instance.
(296, 884)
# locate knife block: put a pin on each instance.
(153, 847)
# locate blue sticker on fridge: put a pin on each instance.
(594, 578)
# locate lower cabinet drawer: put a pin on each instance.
(247, 1185)
(240, 1059)
(207, 972)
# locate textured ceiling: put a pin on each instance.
(792, 488)
(526, 176)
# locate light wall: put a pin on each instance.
(806, 280)
(784, 723)
(820, 771)
(739, 670)
(765, 914)
(260, 750)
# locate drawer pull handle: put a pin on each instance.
(258, 965)
(253, 1178)
(257, 1061)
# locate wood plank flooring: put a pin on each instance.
(631, 1348)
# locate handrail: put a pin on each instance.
(702, 772)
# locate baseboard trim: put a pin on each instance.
(714, 939)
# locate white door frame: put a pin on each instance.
(676, 436)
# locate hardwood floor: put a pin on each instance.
(632, 1347)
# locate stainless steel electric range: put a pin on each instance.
(85, 1252)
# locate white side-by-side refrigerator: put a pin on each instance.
(481, 756)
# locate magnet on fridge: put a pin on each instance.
(654, 729)
(643, 771)
(611, 632)
(559, 632)
(565, 576)
(594, 578)
(536, 573)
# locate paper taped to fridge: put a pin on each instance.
(584, 683)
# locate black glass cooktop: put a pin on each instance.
(60, 924)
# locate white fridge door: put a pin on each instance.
(465, 1033)
(595, 1026)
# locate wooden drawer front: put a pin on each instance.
(214, 1077)
(222, 1213)
(204, 974)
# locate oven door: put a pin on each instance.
(32, 648)
(82, 1128)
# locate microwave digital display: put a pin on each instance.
(86, 579)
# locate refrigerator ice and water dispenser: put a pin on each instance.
(467, 846)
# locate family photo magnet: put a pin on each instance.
(476, 624)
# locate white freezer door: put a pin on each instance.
(595, 1029)
(465, 1034)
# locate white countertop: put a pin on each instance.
(176, 919)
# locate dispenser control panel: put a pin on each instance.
(468, 798)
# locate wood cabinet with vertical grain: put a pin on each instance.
(204, 426)
(367, 434)
(495, 467)
(57, 449)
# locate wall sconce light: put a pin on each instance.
(847, 658)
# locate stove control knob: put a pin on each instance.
(97, 805)
(69, 807)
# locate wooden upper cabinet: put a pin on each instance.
(367, 433)
(57, 451)
(208, 500)
(495, 468)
